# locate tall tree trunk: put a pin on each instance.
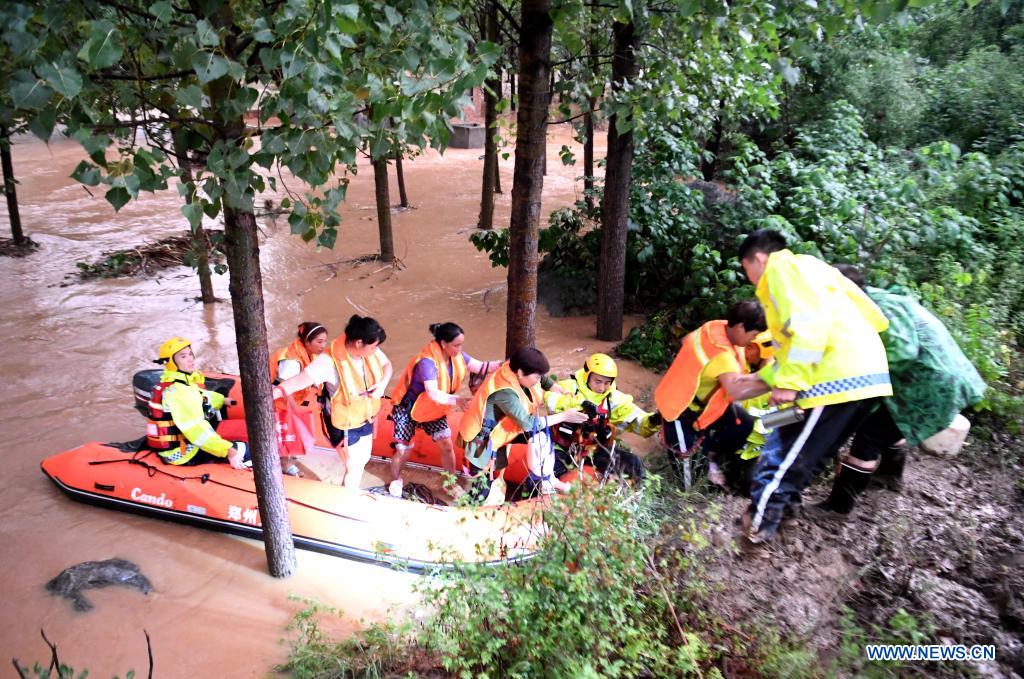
(528, 178)
(246, 285)
(615, 210)
(403, 197)
(713, 146)
(380, 183)
(9, 187)
(513, 100)
(200, 243)
(588, 124)
(491, 87)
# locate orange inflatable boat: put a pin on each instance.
(325, 517)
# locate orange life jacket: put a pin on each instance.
(506, 428)
(161, 434)
(426, 409)
(678, 388)
(296, 351)
(350, 408)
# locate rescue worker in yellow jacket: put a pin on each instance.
(182, 413)
(697, 395)
(593, 388)
(829, 362)
(355, 373)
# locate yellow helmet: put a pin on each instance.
(764, 345)
(601, 364)
(169, 349)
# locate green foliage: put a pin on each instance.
(376, 651)
(324, 85)
(901, 628)
(588, 603)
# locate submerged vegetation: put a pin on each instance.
(153, 257)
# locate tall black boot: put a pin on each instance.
(849, 484)
(890, 469)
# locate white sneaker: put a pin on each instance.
(395, 488)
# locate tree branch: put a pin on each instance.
(508, 16)
(157, 76)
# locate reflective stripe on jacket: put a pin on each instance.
(825, 330)
(622, 412)
(189, 406)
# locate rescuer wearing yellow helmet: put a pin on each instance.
(182, 414)
(595, 383)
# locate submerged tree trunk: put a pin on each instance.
(528, 179)
(615, 209)
(9, 187)
(380, 183)
(513, 100)
(403, 197)
(491, 87)
(200, 244)
(246, 285)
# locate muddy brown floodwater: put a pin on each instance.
(68, 353)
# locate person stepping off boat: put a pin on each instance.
(425, 394)
(355, 373)
(505, 410)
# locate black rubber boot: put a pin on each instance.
(848, 485)
(889, 474)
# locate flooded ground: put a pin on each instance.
(69, 352)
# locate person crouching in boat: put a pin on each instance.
(310, 342)
(183, 415)
(426, 393)
(355, 372)
(594, 388)
(504, 410)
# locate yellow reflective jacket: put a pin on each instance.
(623, 413)
(184, 400)
(825, 330)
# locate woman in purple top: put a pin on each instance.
(426, 392)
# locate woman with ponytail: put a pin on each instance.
(426, 393)
(355, 373)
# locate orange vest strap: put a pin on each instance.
(350, 407)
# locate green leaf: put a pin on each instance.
(28, 92)
(42, 125)
(206, 35)
(118, 197)
(194, 214)
(103, 48)
(209, 66)
(162, 10)
(64, 79)
(328, 237)
(86, 173)
(346, 18)
(190, 96)
(261, 31)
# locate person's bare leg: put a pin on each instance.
(358, 456)
(342, 450)
(398, 460)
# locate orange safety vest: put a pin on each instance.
(678, 388)
(426, 409)
(296, 351)
(350, 408)
(161, 434)
(506, 429)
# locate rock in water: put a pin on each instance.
(91, 574)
